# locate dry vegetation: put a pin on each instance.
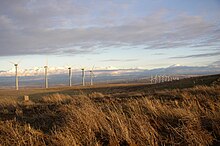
(165, 117)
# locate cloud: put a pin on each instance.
(70, 27)
(215, 64)
(198, 55)
(158, 54)
(119, 60)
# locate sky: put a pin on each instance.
(118, 33)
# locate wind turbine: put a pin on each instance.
(91, 76)
(83, 76)
(45, 74)
(156, 79)
(164, 78)
(168, 78)
(70, 76)
(151, 79)
(16, 73)
(160, 78)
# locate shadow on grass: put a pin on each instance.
(44, 117)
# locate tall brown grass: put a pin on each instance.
(168, 117)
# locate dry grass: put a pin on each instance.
(168, 117)
(7, 102)
(56, 98)
(13, 133)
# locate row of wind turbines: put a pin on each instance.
(46, 75)
(162, 78)
(154, 79)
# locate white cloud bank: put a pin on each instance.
(70, 27)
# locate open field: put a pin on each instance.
(184, 112)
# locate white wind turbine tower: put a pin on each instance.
(83, 76)
(166, 78)
(159, 78)
(163, 78)
(45, 74)
(151, 79)
(91, 76)
(70, 76)
(16, 74)
(156, 79)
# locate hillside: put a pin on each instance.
(184, 112)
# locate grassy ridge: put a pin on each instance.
(140, 116)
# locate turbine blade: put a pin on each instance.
(12, 62)
(69, 66)
(47, 61)
(19, 61)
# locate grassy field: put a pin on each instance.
(184, 112)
